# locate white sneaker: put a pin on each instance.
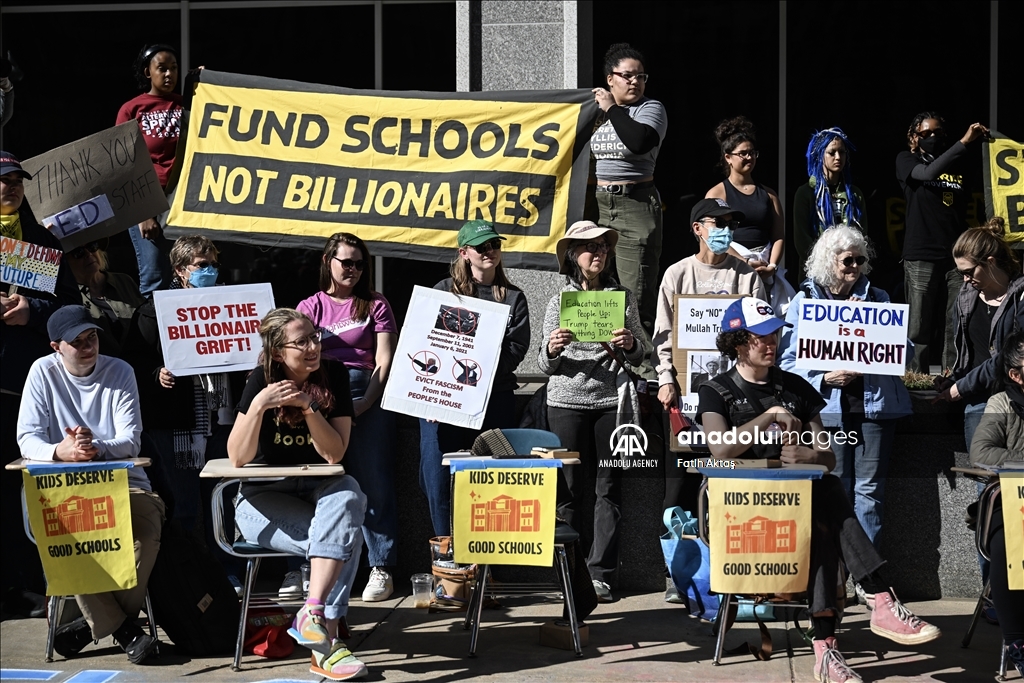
(863, 597)
(603, 590)
(291, 587)
(379, 587)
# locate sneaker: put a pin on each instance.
(671, 593)
(142, 648)
(338, 665)
(291, 587)
(891, 619)
(71, 638)
(603, 590)
(1015, 653)
(379, 587)
(988, 612)
(863, 597)
(236, 584)
(310, 628)
(829, 664)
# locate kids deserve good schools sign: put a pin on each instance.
(859, 336)
(286, 163)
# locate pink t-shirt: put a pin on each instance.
(352, 342)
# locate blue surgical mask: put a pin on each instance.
(203, 277)
(718, 240)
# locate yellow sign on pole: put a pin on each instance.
(505, 516)
(1004, 183)
(82, 523)
(1012, 486)
(760, 532)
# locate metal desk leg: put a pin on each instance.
(56, 611)
(979, 608)
(722, 623)
(252, 567)
(570, 602)
(481, 589)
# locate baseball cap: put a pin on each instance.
(68, 322)
(10, 164)
(477, 232)
(752, 315)
(714, 208)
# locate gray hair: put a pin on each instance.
(821, 263)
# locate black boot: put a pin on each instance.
(71, 638)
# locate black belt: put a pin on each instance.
(625, 189)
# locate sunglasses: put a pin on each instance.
(925, 134)
(349, 264)
(721, 222)
(969, 273)
(490, 245)
(92, 248)
(596, 248)
(850, 260)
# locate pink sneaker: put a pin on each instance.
(891, 619)
(829, 665)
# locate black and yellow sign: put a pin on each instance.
(284, 163)
(1012, 495)
(1004, 183)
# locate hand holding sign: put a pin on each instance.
(595, 316)
(16, 310)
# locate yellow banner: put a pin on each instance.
(287, 163)
(505, 516)
(760, 533)
(82, 522)
(1004, 184)
(1012, 486)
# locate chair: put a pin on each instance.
(524, 441)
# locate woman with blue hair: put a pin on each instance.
(829, 197)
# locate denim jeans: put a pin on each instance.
(972, 418)
(862, 468)
(927, 284)
(154, 258)
(312, 517)
(437, 438)
(370, 459)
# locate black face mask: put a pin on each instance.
(934, 145)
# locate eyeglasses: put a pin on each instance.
(596, 248)
(640, 77)
(746, 154)
(205, 264)
(850, 260)
(925, 134)
(969, 273)
(721, 223)
(305, 342)
(92, 248)
(490, 245)
(349, 264)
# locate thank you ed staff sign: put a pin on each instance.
(213, 329)
(859, 336)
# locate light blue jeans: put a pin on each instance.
(309, 516)
(154, 259)
(862, 469)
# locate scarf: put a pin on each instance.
(10, 226)
(209, 395)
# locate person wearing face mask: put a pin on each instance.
(710, 271)
(933, 186)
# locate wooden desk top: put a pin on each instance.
(754, 470)
(974, 472)
(23, 463)
(222, 469)
(572, 460)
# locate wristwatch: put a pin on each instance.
(313, 407)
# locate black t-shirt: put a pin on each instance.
(280, 444)
(936, 210)
(979, 331)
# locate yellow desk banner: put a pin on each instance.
(1012, 486)
(760, 533)
(505, 516)
(283, 163)
(1003, 170)
(82, 522)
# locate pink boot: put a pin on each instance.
(829, 665)
(891, 619)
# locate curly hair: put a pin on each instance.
(727, 342)
(821, 262)
(616, 53)
(362, 294)
(816, 169)
(316, 386)
(1011, 356)
(144, 59)
(917, 121)
(730, 134)
(979, 244)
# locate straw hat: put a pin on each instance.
(583, 231)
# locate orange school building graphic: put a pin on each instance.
(762, 535)
(505, 513)
(78, 514)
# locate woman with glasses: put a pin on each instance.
(296, 409)
(590, 393)
(865, 405)
(625, 147)
(476, 272)
(359, 331)
(111, 298)
(935, 216)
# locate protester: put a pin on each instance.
(476, 271)
(297, 409)
(829, 196)
(932, 183)
(750, 336)
(111, 298)
(78, 406)
(626, 147)
(23, 339)
(358, 330)
(999, 438)
(590, 393)
(158, 111)
(866, 406)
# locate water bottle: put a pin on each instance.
(305, 569)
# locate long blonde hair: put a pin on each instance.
(463, 284)
(317, 386)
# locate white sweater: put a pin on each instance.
(106, 401)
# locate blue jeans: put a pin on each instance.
(862, 469)
(972, 418)
(312, 517)
(154, 258)
(370, 459)
(436, 439)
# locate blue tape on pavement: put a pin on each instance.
(57, 468)
(92, 676)
(774, 473)
(478, 464)
(27, 674)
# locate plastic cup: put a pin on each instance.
(422, 590)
